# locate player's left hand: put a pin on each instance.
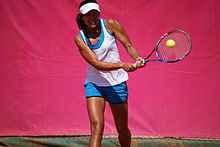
(140, 62)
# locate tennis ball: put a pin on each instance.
(170, 43)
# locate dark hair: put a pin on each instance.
(79, 20)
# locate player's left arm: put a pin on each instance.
(118, 31)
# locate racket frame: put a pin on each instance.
(156, 48)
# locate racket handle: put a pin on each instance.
(143, 61)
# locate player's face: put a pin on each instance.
(91, 18)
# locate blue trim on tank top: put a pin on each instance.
(99, 43)
(81, 34)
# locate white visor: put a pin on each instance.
(88, 7)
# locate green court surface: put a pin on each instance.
(108, 141)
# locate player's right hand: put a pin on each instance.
(128, 67)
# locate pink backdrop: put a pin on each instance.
(42, 72)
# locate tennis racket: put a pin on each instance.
(171, 54)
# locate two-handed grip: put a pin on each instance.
(143, 61)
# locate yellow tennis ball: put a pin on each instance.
(170, 43)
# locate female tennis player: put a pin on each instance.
(107, 75)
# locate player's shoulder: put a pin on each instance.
(112, 25)
(111, 22)
(77, 37)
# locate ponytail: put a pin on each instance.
(80, 22)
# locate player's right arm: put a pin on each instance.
(92, 59)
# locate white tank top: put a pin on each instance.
(107, 51)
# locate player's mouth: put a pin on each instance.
(92, 24)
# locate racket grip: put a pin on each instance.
(143, 61)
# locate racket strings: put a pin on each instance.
(182, 45)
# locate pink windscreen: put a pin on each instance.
(42, 71)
